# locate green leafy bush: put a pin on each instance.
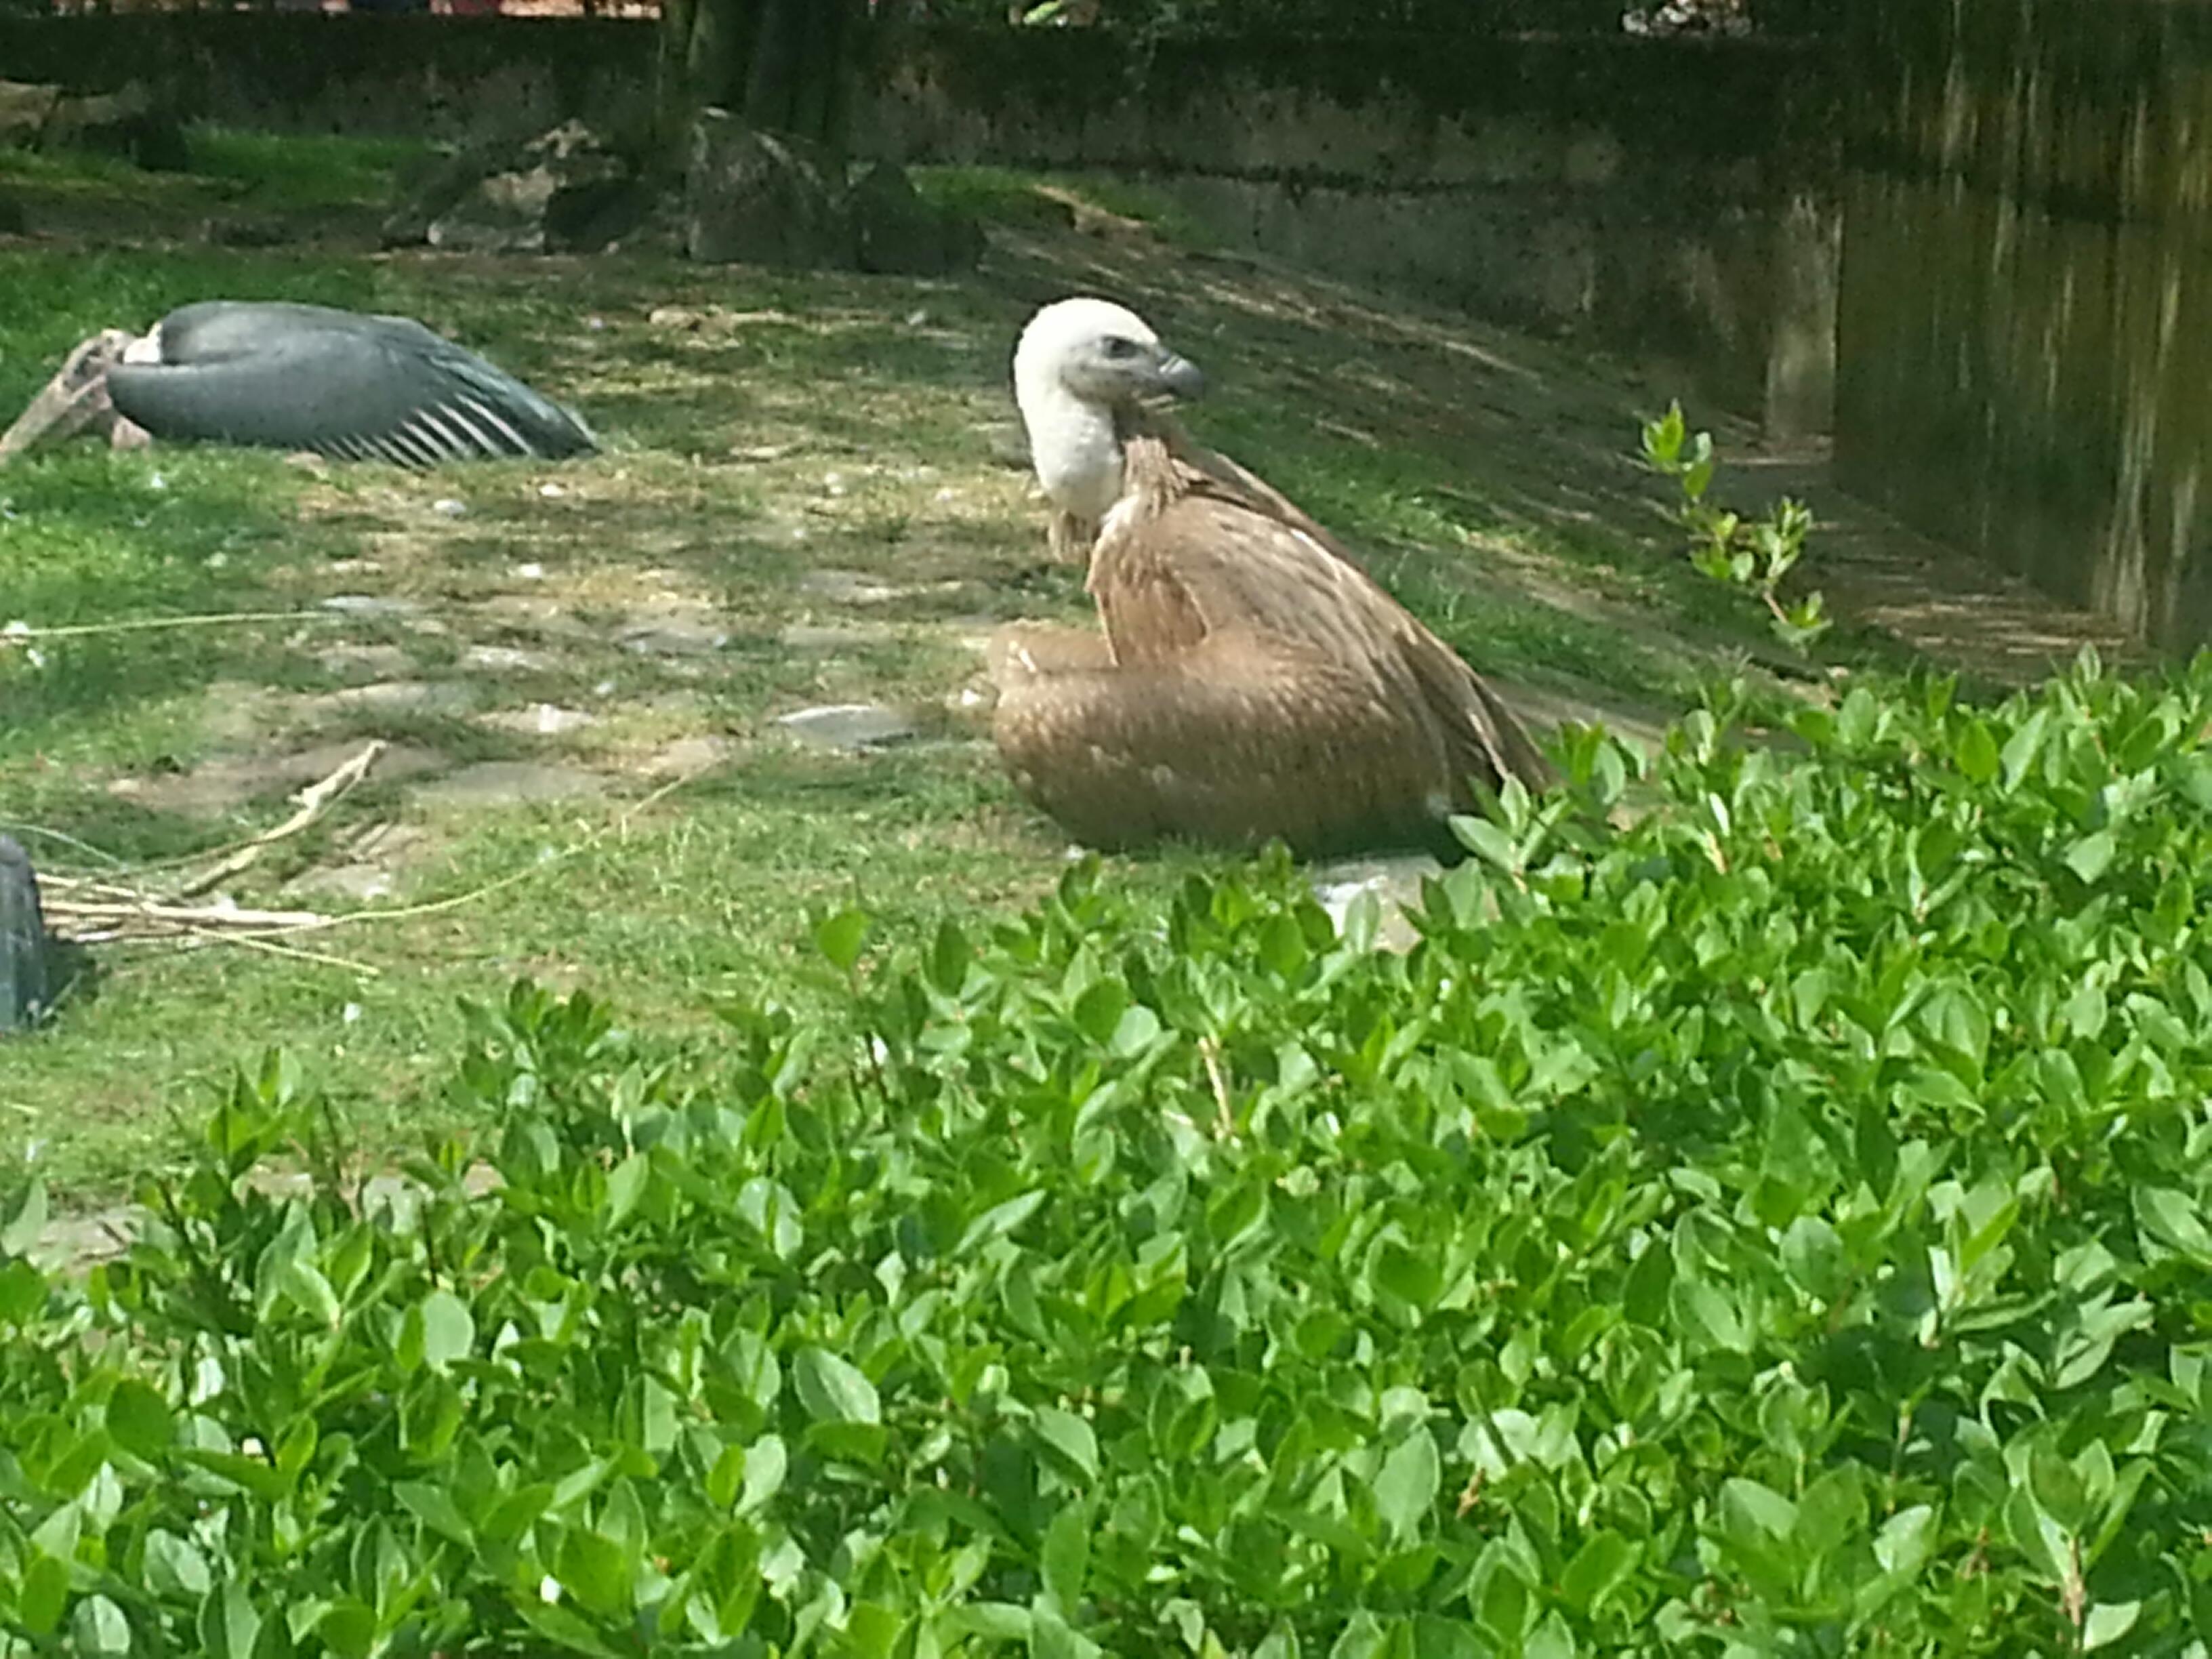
(1755, 556)
(1777, 1227)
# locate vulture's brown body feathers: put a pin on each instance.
(1251, 681)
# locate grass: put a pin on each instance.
(777, 443)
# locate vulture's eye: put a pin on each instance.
(1119, 347)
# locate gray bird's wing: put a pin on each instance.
(338, 382)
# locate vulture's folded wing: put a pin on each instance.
(358, 388)
(1232, 563)
(1236, 742)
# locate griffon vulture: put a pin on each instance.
(1251, 680)
(299, 377)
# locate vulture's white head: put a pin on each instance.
(1078, 362)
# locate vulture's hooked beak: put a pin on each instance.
(1180, 377)
(74, 399)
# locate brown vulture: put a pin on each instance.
(1251, 682)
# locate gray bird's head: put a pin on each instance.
(1080, 366)
(76, 397)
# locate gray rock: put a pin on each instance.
(365, 662)
(398, 697)
(675, 635)
(26, 952)
(24, 109)
(223, 785)
(849, 588)
(850, 725)
(511, 783)
(1395, 882)
(370, 605)
(760, 198)
(130, 123)
(360, 883)
(692, 754)
(895, 232)
(504, 659)
(544, 720)
(831, 638)
(566, 190)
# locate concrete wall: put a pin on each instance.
(2026, 323)
(1676, 199)
(392, 76)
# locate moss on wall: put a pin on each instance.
(2025, 321)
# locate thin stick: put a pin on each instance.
(185, 915)
(255, 942)
(100, 853)
(313, 800)
(140, 624)
(439, 906)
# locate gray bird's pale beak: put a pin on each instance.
(1181, 376)
(74, 399)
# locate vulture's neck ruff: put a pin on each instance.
(1087, 373)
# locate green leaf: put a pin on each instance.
(22, 1292)
(1064, 1557)
(100, 1627)
(43, 1594)
(174, 1567)
(766, 1464)
(1551, 1640)
(1406, 1484)
(596, 1570)
(435, 1509)
(28, 1224)
(448, 1330)
(2091, 856)
(2108, 1621)
(1750, 1507)
(1906, 1540)
(304, 1285)
(230, 1624)
(140, 1419)
(1487, 841)
(834, 1390)
(1598, 1567)
(840, 937)
(1706, 1310)
(1414, 1276)
(2021, 748)
(1051, 1637)
(2173, 1219)
(1812, 1256)
(1070, 1439)
(1976, 754)
(347, 1628)
(626, 1184)
(999, 1220)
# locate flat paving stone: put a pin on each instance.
(831, 637)
(543, 719)
(395, 697)
(691, 754)
(1394, 882)
(506, 659)
(850, 725)
(511, 783)
(365, 663)
(223, 784)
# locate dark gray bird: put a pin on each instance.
(299, 377)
